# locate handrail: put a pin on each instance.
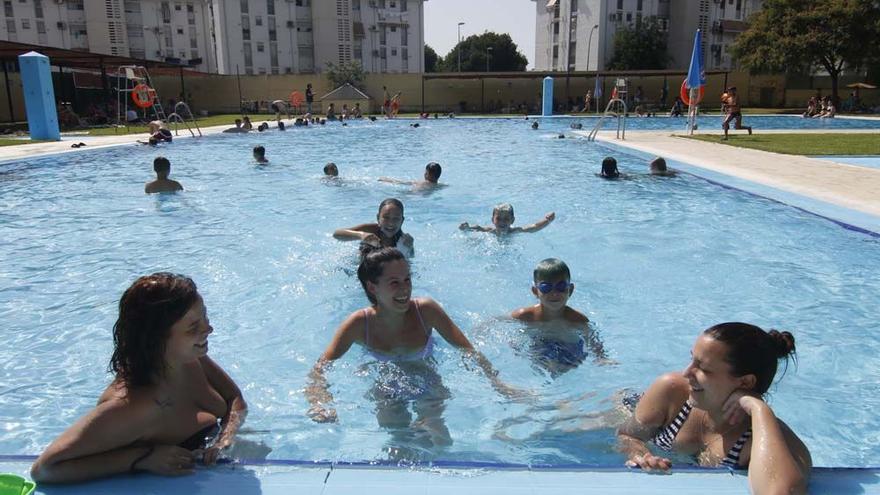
(184, 106)
(171, 120)
(610, 112)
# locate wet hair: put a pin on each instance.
(609, 167)
(535, 124)
(259, 151)
(280, 126)
(434, 170)
(752, 351)
(331, 167)
(161, 165)
(503, 208)
(658, 165)
(371, 267)
(238, 121)
(390, 201)
(147, 310)
(551, 268)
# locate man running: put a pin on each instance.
(730, 104)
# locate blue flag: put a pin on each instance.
(597, 91)
(696, 75)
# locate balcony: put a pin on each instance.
(392, 17)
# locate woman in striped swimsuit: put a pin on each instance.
(714, 411)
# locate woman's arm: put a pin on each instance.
(356, 233)
(652, 412)
(236, 407)
(540, 224)
(318, 390)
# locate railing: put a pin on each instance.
(176, 117)
(612, 110)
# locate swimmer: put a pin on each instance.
(502, 221)
(281, 126)
(163, 135)
(609, 168)
(658, 167)
(386, 232)
(263, 127)
(167, 397)
(246, 123)
(535, 125)
(162, 167)
(715, 411)
(397, 328)
(432, 175)
(561, 136)
(238, 128)
(260, 154)
(557, 348)
(330, 170)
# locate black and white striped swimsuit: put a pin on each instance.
(666, 437)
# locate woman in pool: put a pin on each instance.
(715, 411)
(166, 400)
(398, 330)
(386, 232)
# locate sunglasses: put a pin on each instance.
(547, 287)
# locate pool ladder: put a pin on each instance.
(176, 118)
(616, 108)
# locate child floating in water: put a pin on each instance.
(559, 345)
(386, 232)
(260, 154)
(432, 175)
(502, 221)
(162, 167)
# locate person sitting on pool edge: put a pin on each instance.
(386, 232)
(238, 128)
(432, 175)
(162, 167)
(658, 167)
(167, 397)
(330, 170)
(714, 410)
(564, 332)
(609, 168)
(502, 221)
(260, 154)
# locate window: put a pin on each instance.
(166, 12)
(177, 7)
(7, 8)
(273, 34)
(258, 20)
(355, 4)
(393, 29)
(244, 6)
(572, 54)
(248, 57)
(574, 6)
(273, 56)
(382, 37)
(25, 23)
(245, 27)
(194, 54)
(394, 52)
(180, 30)
(270, 7)
(639, 5)
(10, 25)
(38, 9)
(383, 53)
(166, 32)
(403, 6)
(193, 38)
(555, 28)
(260, 47)
(404, 36)
(392, 4)
(41, 27)
(629, 17)
(619, 4)
(189, 8)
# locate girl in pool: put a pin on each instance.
(386, 232)
(715, 411)
(167, 399)
(397, 329)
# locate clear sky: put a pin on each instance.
(514, 17)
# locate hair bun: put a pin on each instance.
(783, 342)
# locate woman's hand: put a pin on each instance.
(168, 460)
(649, 462)
(740, 404)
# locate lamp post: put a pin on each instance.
(460, 24)
(589, 51)
(488, 52)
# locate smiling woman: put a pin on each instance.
(166, 401)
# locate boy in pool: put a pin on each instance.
(658, 167)
(260, 154)
(502, 221)
(432, 176)
(162, 167)
(330, 170)
(564, 333)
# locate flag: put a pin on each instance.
(597, 90)
(696, 75)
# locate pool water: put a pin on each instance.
(654, 261)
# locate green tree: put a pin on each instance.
(351, 72)
(807, 35)
(431, 59)
(503, 54)
(642, 46)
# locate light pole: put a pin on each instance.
(488, 51)
(460, 24)
(589, 44)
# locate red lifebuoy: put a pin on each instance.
(143, 96)
(685, 96)
(296, 98)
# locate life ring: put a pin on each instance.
(143, 96)
(296, 98)
(685, 97)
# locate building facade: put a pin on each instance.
(579, 34)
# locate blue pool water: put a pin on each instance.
(654, 260)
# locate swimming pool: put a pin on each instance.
(655, 261)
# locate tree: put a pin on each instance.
(504, 55)
(642, 46)
(805, 35)
(351, 72)
(431, 59)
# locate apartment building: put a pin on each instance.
(173, 31)
(579, 34)
(302, 36)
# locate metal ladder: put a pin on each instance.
(176, 117)
(616, 108)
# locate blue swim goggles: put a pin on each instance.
(547, 287)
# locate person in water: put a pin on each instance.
(260, 154)
(162, 167)
(396, 329)
(502, 222)
(715, 411)
(562, 333)
(331, 170)
(386, 232)
(658, 167)
(168, 396)
(609, 168)
(432, 176)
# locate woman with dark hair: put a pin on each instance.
(397, 331)
(715, 411)
(609, 168)
(386, 232)
(167, 401)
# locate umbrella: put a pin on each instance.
(695, 79)
(861, 85)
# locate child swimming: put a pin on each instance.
(260, 154)
(502, 221)
(162, 167)
(386, 232)
(432, 175)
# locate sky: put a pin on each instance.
(514, 17)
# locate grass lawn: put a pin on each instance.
(16, 142)
(223, 119)
(804, 144)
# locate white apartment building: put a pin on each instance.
(173, 31)
(579, 34)
(302, 36)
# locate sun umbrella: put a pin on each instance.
(696, 78)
